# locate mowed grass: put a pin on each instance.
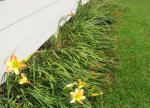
(132, 88)
(82, 50)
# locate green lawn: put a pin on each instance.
(132, 88)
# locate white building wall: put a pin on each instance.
(26, 24)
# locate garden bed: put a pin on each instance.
(79, 60)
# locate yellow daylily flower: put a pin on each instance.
(71, 85)
(13, 65)
(71, 13)
(24, 79)
(97, 94)
(81, 84)
(77, 96)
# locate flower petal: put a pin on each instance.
(73, 101)
(13, 58)
(9, 69)
(24, 79)
(81, 84)
(72, 94)
(71, 85)
(76, 90)
(22, 65)
(83, 97)
(20, 82)
(80, 101)
(16, 70)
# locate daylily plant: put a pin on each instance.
(24, 79)
(97, 94)
(81, 84)
(77, 95)
(71, 85)
(71, 13)
(13, 64)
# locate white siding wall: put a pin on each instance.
(26, 24)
